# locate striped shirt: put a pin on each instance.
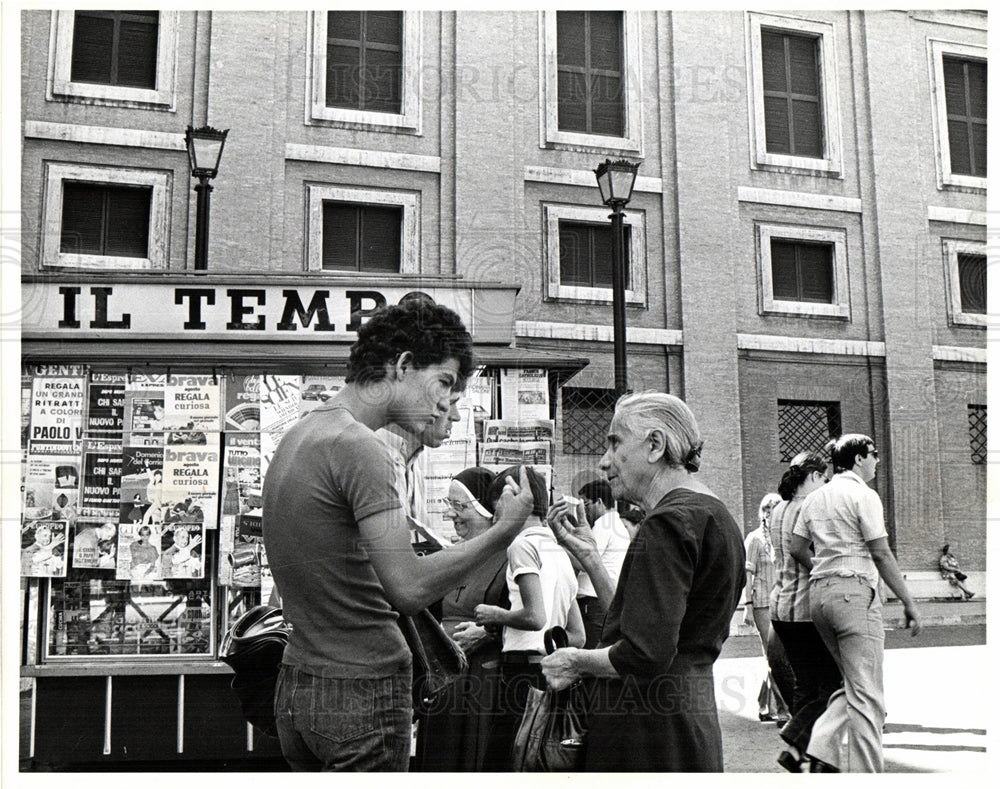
(790, 597)
(840, 518)
(760, 562)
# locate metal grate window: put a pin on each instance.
(805, 426)
(586, 417)
(977, 433)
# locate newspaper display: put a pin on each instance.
(242, 403)
(478, 403)
(240, 508)
(100, 495)
(183, 550)
(139, 552)
(318, 389)
(191, 405)
(191, 482)
(95, 544)
(106, 404)
(524, 394)
(43, 549)
(144, 410)
(501, 454)
(141, 485)
(502, 430)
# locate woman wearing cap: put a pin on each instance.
(542, 585)
(452, 738)
(650, 687)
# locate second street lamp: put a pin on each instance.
(204, 147)
(615, 180)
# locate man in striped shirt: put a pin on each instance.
(845, 522)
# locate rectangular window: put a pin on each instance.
(363, 238)
(590, 53)
(364, 70)
(100, 219)
(105, 217)
(802, 272)
(114, 58)
(965, 277)
(793, 109)
(586, 418)
(805, 426)
(977, 433)
(577, 254)
(364, 60)
(794, 106)
(585, 254)
(965, 99)
(115, 48)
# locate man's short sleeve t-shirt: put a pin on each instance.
(329, 472)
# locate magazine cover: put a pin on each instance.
(141, 485)
(57, 409)
(318, 389)
(139, 552)
(191, 404)
(100, 494)
(241, 488)
(95, 544)
(106, 404)
(183, 550)
(279, 402)
(191, 482)
(144, 410)
(43, 549)
(242, 403)
(51, 485)
(524, 394)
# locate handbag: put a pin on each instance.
(553, 729)
(438, 662)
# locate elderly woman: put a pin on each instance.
(453, 737)
(816, 673)
(652, 696)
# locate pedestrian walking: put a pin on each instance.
(845, 522)
(815, 672)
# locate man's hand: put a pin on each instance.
(912, 617)
(489, 614)
(559, 668)
(516, 502)
(469, 635)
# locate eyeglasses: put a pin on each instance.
(458, 506)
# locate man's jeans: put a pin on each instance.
(344, 723)
(847, 613)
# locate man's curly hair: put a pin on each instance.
(431, 332)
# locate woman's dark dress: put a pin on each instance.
(679, 587)
(453, 737)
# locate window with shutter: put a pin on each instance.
(364, 60)
(115, 48)
(590, 55)
(965, 277)
(802, 271)
(357, 237)
(965, 100)
(585, 256)
(793, 109)
(106, 220)
(972, 282)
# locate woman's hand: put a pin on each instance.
(469, 635)
(559, 668)
(489, 614)
(578, 540)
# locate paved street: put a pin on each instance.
(935, 697)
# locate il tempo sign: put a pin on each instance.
(192, 309)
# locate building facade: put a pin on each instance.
(806, 241)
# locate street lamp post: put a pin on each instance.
(204, 147)
(615, 180)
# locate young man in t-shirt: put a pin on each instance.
(338, 545)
